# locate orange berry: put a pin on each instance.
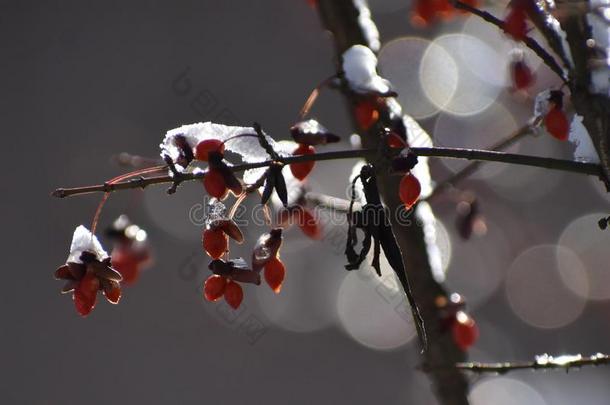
(127, 264)
(234, 295)
(308, 224)
(301, 170)
(409, 190)
(395, 141)
(366, 114)
(214, 287)
(214, 184)
(464, 330)
(274, 274)
(206, 146)
(85, 294)
(215, 242)
(514, 24)
(113, 292)
(522, 75)
(557, 124)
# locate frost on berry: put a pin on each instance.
(266, 248)
(216, 219)
(88, 270)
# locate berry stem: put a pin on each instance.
(125, 176)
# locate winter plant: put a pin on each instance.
(234, 162)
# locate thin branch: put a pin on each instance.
(543, 362)
(528, 41)
(474, 166)
(455, 153)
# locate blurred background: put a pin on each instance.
(83, 81)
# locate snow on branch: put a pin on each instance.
(541, 362)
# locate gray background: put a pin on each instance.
(81, 81)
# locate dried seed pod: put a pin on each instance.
(235, 269)
(230, 180)
(311, 132)
(404, 163)
(274, 180)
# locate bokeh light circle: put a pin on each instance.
(399, 62)
(584, 237)
(478, 132)
(536, 290)
(306, 302)
(461, 80)
(504, 391)
(477, 271)
(373, 310)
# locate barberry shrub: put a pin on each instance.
(237, 162)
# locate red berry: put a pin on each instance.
(214, 184)
(308, 224)
(366, 114)
(301, 170)
(514, 23)
(125, 262)
(214, 287)
(409, 190)
(274, 274)
(521, 75)
(234, 295)
(557, 124)
(85, 294)
(206, 146)
(424, 13)
(395, 141)
(464, 330)
(113, 292)
(215, 242)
